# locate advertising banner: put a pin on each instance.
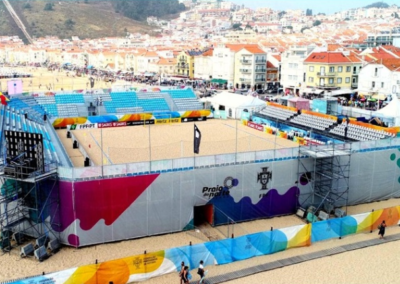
(168, 120)
(255, 126)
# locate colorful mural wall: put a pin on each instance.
(238, 193)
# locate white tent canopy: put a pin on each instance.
(392, 110)
(234, 104)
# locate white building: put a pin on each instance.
(292, 67)
(223, 62)
(203, 65)
(250, 68)
(381, 78)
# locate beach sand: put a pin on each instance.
(171, 141)
(317, 271)
(42, 79)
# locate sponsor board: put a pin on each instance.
(168, 120)
(140, 122)
(192, 119)
(255, 126)
(82, 126)
(111, 124)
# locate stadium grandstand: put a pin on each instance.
(270, 162)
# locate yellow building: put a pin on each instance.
(331, 70)
(185, 63)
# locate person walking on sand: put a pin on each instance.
(200, 271)
(181, 271)
(382, 227)
(184, 277)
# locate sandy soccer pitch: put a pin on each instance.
(160, 142)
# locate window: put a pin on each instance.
(331, 69)
(347, 79)
(348, 69)
(373, 84)
(311, 69)
(330, 80)
(382, 84)
(340, 69)
(339, 80)
(310, 79)
(376, 71)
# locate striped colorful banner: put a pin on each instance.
(146, 266)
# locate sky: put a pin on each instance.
(318, 6)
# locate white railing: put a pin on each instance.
(185, 164)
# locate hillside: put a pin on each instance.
(85, 19)
(7, 25)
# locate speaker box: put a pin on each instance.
(87, 162)
(301, 213)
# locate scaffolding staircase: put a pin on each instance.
(327, 170)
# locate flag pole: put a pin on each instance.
(150, 146)
(236, 144)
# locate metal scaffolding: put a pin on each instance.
(327, 170)
(29, 209)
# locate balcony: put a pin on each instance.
(182, 66)
(261, 70)
(354, 85)
(260, 80)
(355, 74)
(245, 80)
(326, 74)
(259, 61)
(326, 86)
(245, 61)
(245, 70)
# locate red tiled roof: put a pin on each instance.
(270, 65)
(327, 57)
(391, 63)
(254, 49)
(278, 57)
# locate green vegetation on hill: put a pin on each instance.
(377, 5)
(64, 19)
(141, 9)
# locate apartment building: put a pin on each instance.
(223, 62)
(185, 63)
(250, 68)
(330, 70)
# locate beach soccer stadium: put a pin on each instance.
(84, 168)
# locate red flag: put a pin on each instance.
(3, 100)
